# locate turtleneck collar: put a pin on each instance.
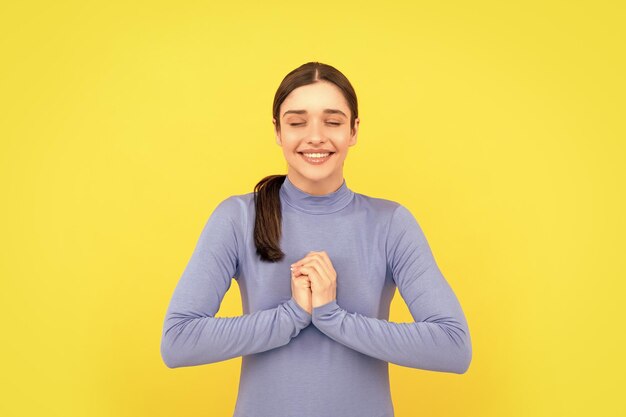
(316, 204)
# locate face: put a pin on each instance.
(315, 119)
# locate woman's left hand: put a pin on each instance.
(319, 269)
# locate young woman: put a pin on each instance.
(317, 265)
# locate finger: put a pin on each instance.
(296, 272)
(305, 258)
(317, 258)
(323, 264)
(325, 256)
(318, 265)
(298, 277)
(325, 275)
(303, 281)
(314, 277)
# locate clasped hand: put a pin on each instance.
(313, 280)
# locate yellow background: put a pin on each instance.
(500, 125)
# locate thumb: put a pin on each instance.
(303, 281)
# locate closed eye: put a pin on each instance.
(330, 123)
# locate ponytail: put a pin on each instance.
(268, 218)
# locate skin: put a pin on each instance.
(313, 278)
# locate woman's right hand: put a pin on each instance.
(301, 290)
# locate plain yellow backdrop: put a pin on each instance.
(500, 125)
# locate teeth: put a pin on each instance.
(317, 155)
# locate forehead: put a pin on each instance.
(315, 97)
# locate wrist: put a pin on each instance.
(320, 301)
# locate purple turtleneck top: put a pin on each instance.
(333, 363)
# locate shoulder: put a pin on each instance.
(396, 216)
(234, 209)
(229, 220)
(384, 209)
(399, 226)
(235, 205)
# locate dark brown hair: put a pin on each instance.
(268, 218)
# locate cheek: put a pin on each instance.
(340, 137)
(291, 140)
(289, 147)
(341, 143)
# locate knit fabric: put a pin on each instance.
(334, 362)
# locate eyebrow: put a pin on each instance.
(327, 111)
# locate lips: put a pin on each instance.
(315, 151)
(316, 161)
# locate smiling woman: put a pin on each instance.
(317, 265)
(313, 127)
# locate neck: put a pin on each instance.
(313, 187)
(327, 200)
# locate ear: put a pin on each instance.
(355, 131)
(277, 133)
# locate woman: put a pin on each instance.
(317, 266)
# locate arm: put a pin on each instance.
(437, 340)
(192, 335)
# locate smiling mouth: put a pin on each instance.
(318, 159)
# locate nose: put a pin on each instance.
(315, 133)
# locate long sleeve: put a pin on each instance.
(192, 335)
(437, 340)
